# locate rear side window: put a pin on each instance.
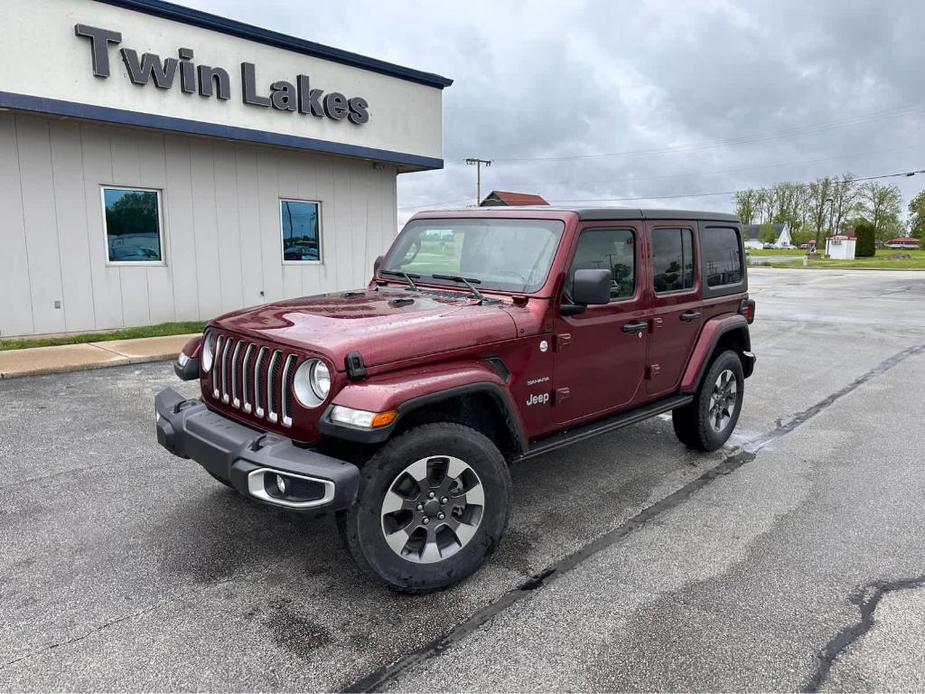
(672, 260)
(722, 258)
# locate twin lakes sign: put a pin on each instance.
(133, 63)
(209, 81)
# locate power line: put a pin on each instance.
(901, 174)
(745, 139)
(698, 173)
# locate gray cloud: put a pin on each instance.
(710, 96)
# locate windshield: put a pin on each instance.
(510, 255)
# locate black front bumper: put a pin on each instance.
(250, 460)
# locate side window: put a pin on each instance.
(133, 225)
(722, 258)
(300, 221)
(610, 249)
(672, 260)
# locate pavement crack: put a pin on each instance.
(801, 417)
(867, 598)
(179, 596)
(86, 635)
(376, 680)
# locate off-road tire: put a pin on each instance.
(692, 422)
(361, 526)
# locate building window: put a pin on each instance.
(672, 260)
(133, 225)
(721, 256)
(300, 221)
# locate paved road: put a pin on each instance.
(790, 560)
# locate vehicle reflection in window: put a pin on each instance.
(301, 232)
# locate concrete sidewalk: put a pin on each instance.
(89, 355)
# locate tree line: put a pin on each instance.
(828, 205)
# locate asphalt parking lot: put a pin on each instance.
(792, 559)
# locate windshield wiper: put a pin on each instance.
(407, 276)
(468, 281)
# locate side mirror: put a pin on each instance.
(592, 287)
(377, 263)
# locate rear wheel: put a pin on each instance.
(432, 507)
(708, 421)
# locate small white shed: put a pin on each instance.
(840, 247)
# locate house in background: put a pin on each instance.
(902, 242)
(752, 235)
(502, 198)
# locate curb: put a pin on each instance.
(124, 361)
(88, 356)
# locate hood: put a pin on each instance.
(384, 325)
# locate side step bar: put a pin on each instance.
(604, 426)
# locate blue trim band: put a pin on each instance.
(204, 20)
(23, 102)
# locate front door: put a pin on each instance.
(600, 354)
(676, 315)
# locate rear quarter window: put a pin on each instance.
(722, 256)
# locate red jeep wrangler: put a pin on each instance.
(485, 337)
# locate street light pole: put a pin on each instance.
(477, 163)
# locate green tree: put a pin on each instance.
(881, 205)
(845, 193)
(866, 245)
(132, 213)
(786, 198)
(768, 233)
(820, 204)
(747, 205)
(917, 216)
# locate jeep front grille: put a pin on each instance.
(255, 379)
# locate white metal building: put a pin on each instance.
(840, 247)
(161, 164)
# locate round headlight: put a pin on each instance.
(312, 382)
(208, 352)
(321, 380)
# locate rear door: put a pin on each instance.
(600, 353)
(676, 315)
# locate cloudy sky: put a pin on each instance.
(647, 102)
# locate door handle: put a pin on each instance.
(688, 316)
(635, 327)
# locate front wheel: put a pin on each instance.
(432, 507)
(708, 421)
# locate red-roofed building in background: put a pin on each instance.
(502, 198)
(902, 242)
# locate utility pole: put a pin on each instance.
(477, 163)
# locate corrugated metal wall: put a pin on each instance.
(221, 225)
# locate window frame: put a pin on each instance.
(695, 260)
(282, 240)
(159, 193)
(634, 232)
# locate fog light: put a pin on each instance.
(281, 485)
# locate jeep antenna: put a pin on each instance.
(477, 163)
